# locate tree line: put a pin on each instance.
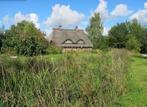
(25, 39)
(130, 35)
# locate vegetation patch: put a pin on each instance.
(71, 80)
(136, 96)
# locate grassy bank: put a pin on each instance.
(66, 80)
(137, 95)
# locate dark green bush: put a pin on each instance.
(30, 47)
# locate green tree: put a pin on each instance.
(1, 38)
(144, 42)
(118, 35)
(133, 44)
(136, 29)
(19, 37)
(1, 41)
(95, 30)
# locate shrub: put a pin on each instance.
(30, 47)
(25, 39)
(54, 49)
(133, 44)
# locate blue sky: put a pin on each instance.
(46, 14)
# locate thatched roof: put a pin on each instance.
(70, 38)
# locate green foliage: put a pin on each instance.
(1, 39)
(30, 47)
(133, 44)
(54, 50)
(118, 35)
(95, 30)
(71, 80)
(25, 39)
(144, 42)
(105, 43)
(136, 29)
(137, 94)
(139, 32)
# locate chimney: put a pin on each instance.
(59, 27)
(76, 28)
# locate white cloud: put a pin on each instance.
(63, 15)
(121, 10)
(5, 20)
(32, 17)
(145, 5)
(141, 15)
(102, 9)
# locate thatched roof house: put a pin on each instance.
(70, 39)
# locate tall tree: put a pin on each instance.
(125, 35)
(140, 33)
(95, 30)
(144, 42)
(118, 35)
(136, 29)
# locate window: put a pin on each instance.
(68, 41)
(80, 41)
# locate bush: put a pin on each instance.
(133, 44)
(29, 47)
(54, 50)
(25, 39)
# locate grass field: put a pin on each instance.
(64, 80)
(61, 81)
(137, 96)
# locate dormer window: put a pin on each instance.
(68, 41)
(80, 41)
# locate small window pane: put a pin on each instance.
(80, 42)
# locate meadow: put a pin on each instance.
(100, 79)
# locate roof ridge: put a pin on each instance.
(68, 29)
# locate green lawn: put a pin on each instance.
(137, 96)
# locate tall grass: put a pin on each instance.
(71, 81)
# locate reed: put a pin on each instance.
(73, 80)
